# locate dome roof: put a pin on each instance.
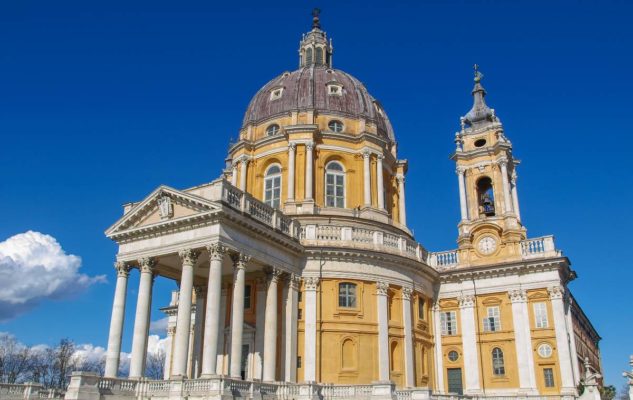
(308, 89)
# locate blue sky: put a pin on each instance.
(100, 102)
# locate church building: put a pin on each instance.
(299, 276)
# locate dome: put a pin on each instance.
(310, 88)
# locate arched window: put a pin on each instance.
(498, 367)
(272, 130)
(334, 185)
(347, 295)
(485, 196)
(335, 126)
(318, 56)
(308, 56)
(272, 186)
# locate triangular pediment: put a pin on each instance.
(163, 205)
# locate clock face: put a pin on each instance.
(487, 245)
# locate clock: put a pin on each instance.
(487, 245)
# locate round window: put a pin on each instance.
(272, 130)
(480, 142)
(545, 350)
(335, 126)
(453, 355)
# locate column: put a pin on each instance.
(183, 319)
(366, 179)
(462, 193)
(380, 181)
(507, 204)
(169, 344)
(572, 340)
(309, 353)
(382, 291)
(237, 314)
(221, 358)
(243, 170)
(270, 327)
(198, 329)
(439, 359)
(260, 322)
(290, 351)
(401, 203)
(234, 174)
(556, 294)
(309, 171)
(213, 325)
(291, 171)
(409, 366)
(469, 344)
(515, 196)
(523, 341)
(116, 321)
(141, 320)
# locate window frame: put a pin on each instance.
(335, 174)
(498, 370)
(421, 309)
(276, 130)
(248, 296)
(446, 322)
(549, 381)
(272, 177)
(339, 126)
(492, 323)
(348, 295)
(541, 317)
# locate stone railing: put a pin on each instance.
(262, 212)
(29, 390)
(443, 259)
(539, 247)
(362, 238)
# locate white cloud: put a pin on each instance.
(34, 267)
(159, 326)
(156, 344)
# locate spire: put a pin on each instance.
(480, 114)
(314, 48)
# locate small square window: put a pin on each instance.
(276, 93)
(335, 90)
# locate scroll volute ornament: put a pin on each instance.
(311, 282)
(240, 260)
(216, 251)
(382, 288)
(188, 256)
(406, 293)
(147, 264)
(122, 269)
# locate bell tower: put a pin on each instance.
(315, 49)
(490, 226)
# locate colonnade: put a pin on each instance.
(309, 177)
(214, 316)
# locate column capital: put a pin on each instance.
(311, 283)
(273, 274)
(406, 293)
(216, 251)
(292, 146)
(466, 301)
(436, 306)
(366, 154)
(517, 295)
(240, 260)
(244, 161)
(294, 281)
(382, 288)
(147, 264)
(503, 162)
(556, 292)
(122, 269)
(460, 170)
(310, 146)
(188, 256)
(400, 178)
(171, 330)
(200, 290)
(380, 157)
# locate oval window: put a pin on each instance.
(480, 142)
(453, 355)
(545, 350)
(272, 130)
(335, 126)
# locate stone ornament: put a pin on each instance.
(216, 251)
(382, 288)
(240, 260)
(165, 207)
(273, 274)
(147, 265)
(466, 301)
(294, 281)
(556, 292)
(122, 269)
(406, 293)
(311, 282)
(188, 256)
(517, 295)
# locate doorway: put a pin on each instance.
(454, 378)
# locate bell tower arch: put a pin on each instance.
(490, 225)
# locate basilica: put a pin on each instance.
(299, 276)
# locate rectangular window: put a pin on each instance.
(548, 375)
(347, 295)
(299, 314)
(448, 320)
(247, 297)
(492, 322)
(540, 315)
(299, 296)
(298, 361)
(420, 308)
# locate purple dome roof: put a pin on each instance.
(307, 89)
